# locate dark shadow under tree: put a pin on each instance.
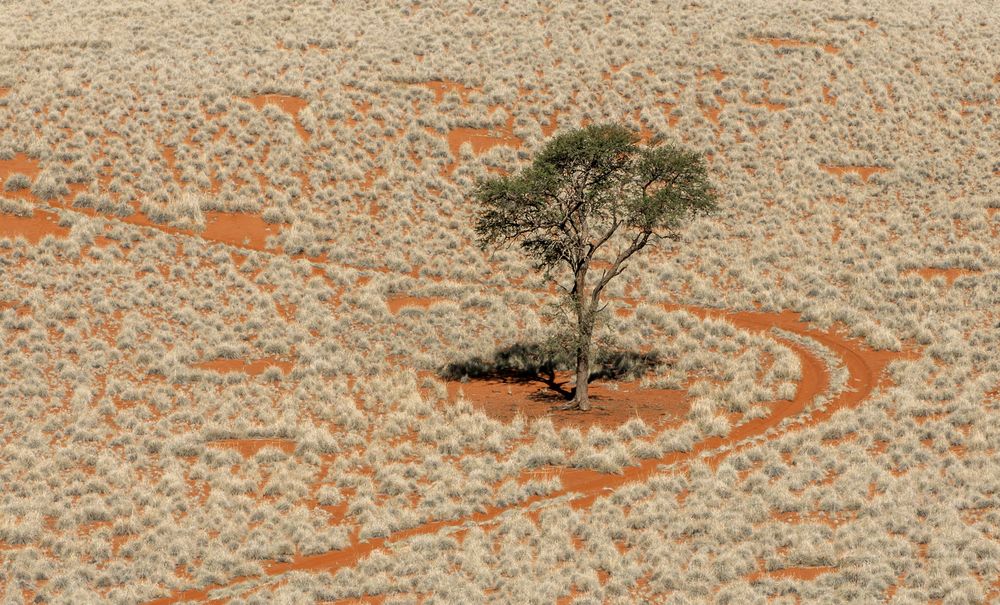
(522, 363)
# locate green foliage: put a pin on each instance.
(587, 185)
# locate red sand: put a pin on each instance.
(950, 274)
(713, 113)
(481, 139)
(247, 231)
(398, 302)
(32, 228)
(287, 103)
(770, 105)
(254, 367)
(504, 398)
(169, 155)
(249, 447)
(552, 124)
(827, 97)
(864, 171)
(443, 87)
(795, 573)
(235, 228)
(19, 163)
(718, 74)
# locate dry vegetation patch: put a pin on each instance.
(235, 253)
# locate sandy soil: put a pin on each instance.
(19, 163)
(949, 275)
(246, 366)
(249, 447)
(32, 228)
(534, 397)
(402, 301)
(863, 171)
(291, 105)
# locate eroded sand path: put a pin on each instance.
(581, 487)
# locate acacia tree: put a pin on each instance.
(592, 195)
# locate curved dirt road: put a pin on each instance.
(864, 366)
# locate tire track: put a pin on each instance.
(583, 486)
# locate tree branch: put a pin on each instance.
(638, 242)
(615, 224)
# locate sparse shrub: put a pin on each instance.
(48, 187)
(23, 530)
(16, 207)
(328, 495)
(273, 215)
(16, 181)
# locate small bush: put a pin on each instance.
(329, 495)
(16, 182)
(15, 207)
(47, 187)
(272, 374)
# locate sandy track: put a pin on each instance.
(584, 486)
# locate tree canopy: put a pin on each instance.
(588, 191)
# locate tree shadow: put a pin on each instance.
(525, 363)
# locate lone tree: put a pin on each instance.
(592, 195)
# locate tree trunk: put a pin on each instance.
(581, 400)
(585, 328)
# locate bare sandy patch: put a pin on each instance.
(482, 139)
(238, 229)
(20, 163)
(251, 367)
(170, 156)
(287, 103)
(863, 171)
(553, 123)
(443, 87)
(767, 104)
(399, 302)
(949, 274)
(613, 404)
(798, 572)
(32, 228)
(249, 447)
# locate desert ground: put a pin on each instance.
(236, 252)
